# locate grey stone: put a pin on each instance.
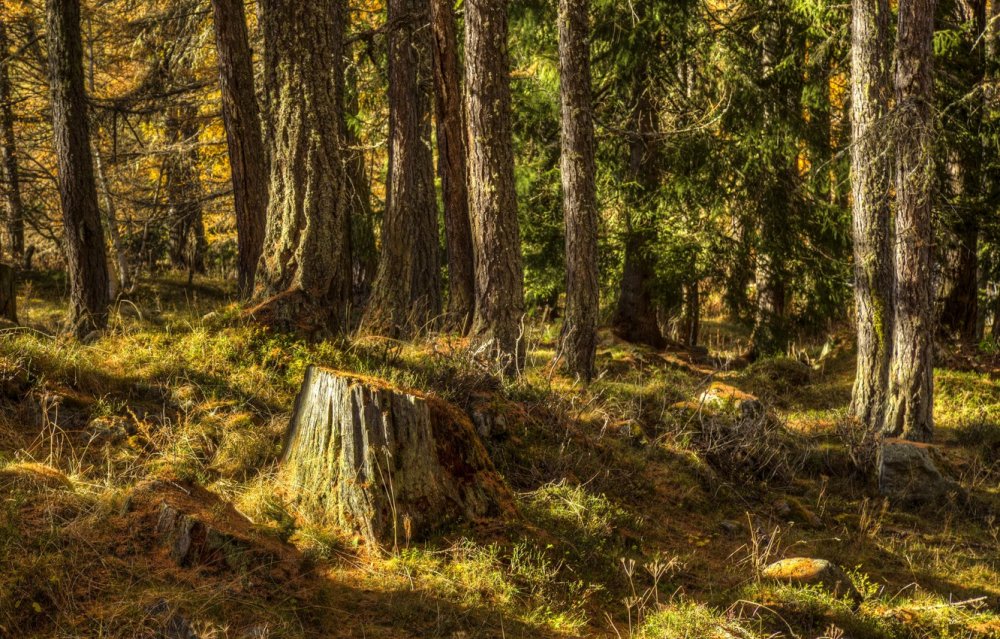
(907, 473)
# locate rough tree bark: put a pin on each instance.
(910, 409)
(870, 176)
(452, 167)
(579, 332)
(241, 117)
(13, 204)
(304, 276)
(406, 293)
(86, 262)
(492, 196)
(635, 314)
(391, 464)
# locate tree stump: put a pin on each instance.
(391, 464)
(8, 293)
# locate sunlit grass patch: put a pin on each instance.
(521, 580)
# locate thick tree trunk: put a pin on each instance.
(241, 117)
(406, 294)
(492, 196)
(13, 204)
(635, 317)
(85, 259)
(870, 176)
(911, 381)
(304, 276)
(450, 120)
(393, 465)
(579, 332)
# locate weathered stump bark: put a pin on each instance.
(390, 464)
(8, 293)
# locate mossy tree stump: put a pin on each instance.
(391, 464)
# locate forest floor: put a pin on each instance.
(648, 504)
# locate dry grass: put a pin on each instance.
(623, 485)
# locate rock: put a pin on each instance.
(488, 424)
(730, 527)
(906, 473)
(804, 571)
(720, 395)
(388, 463)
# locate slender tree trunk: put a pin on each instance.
(959, 292)
(691, 321)
(241, 117)
(124, 275)
(911, 381)
(85, 259)
(635, 314)
(870, 176)
(183, 191)
(579, 332)
(13, 204)
(304, 277)
(492, 196)
(406, 291)
(770, 330)
(450, 120)
(960, 280)
(364, 253)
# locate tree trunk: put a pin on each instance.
(406, 294)
(579, 331)
(124, 275)
(870, 175)
(241, 117)
(691, 321)
(304, 276)
(8, 293)
(85, 259)
(391, 464)
(968, 181)
(911, 381)
(183, 191)
(492, 196)
(773, 202)
(13, 204)
(450, 120)
(364, 253)
(635, 314)
(960, 286)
